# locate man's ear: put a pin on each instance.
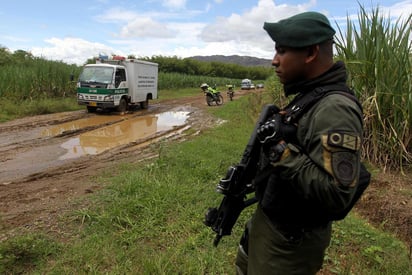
(312, 53)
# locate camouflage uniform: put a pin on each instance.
(290, 230)
(315, 178)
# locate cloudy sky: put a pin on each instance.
(75, 30)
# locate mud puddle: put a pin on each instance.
(76, 125)
(107, 132)
(121, 133)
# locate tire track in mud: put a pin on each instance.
(26, 151)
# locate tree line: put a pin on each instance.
(190, 66)
(24, 76)
(167, 64)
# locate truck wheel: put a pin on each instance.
(122, 106)
(144, 104)
(91, 109)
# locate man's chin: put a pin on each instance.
(283, 81)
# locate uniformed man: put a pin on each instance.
(315, 169)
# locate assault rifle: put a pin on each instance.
(237, 184)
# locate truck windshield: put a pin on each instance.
(96, 75)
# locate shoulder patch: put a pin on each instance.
(345, 140)
(345, 168)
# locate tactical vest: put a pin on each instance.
(300, 105)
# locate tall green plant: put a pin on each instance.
(273, 85)
(377, 52)
(36, 78)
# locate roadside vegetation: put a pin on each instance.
(34, 86)
(149, 219)
(378, 54)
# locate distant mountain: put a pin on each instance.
(236, 59)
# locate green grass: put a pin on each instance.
(24, 253)
(179, 80)
(358, 248)
(12, 109)
(178, 93)
(149, 218)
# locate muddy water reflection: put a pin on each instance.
(121, 133)
(79, 124)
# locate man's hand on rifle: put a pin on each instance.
(238, 181)
(275, 133)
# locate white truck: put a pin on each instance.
(117, 84)
(246, 84)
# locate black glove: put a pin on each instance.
(275, 152)
(275, 130)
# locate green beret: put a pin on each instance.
(301, 30)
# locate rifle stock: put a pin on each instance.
(237, 183)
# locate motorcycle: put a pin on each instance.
(211, 98)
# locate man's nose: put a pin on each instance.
(275, 61)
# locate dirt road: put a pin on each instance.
(46, 161)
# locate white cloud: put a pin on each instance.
(248, 27)
(71, 50)
(142, 34)
(401, 9)
(146, 28)
(116, 15)
(174, 4)
(155, 32)
(186, 35)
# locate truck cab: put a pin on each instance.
(117, 84)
